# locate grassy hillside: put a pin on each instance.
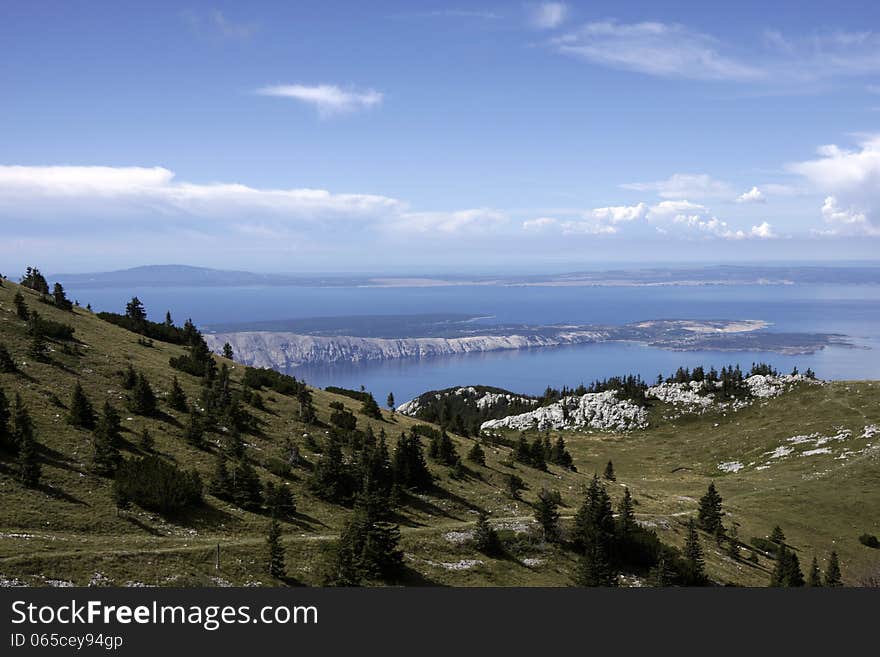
(69, 529)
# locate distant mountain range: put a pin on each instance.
(183, 275)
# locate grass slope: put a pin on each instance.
(69, 530)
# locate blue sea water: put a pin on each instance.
(853, 310)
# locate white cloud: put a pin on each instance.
(587, 228)
(476, 220)
(754, 195)
(328, 99)
(670, 208)
(682, 185)
(763, 231)
(215, 23)
(109, 191)
(850, 179)
(620, 213)
(539, 224)
(548, 15)
(661, 49)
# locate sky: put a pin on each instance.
(421, 136)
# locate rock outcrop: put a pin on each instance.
(598, 410)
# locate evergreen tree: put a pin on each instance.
(832, 571)
(710, 512)
(247, 492)
(146, 440)
(80, 414)
(693, 556)
(21, 308)
(194, 433)
(485, 537)
(176, 397)
(777, 536)
(35, 280)
(227, 351)
(547, 515)
(390, 402)
(5, 430)
(560, 456)
(522, 452)
(7, 365)
(220, 485)
(626, 517)
(129, 377)
(168, 320)
(594, 535)
(409, 466)
(134, 309)
(536, 453)
(370, 408)
(23, 435)
(331, 481)
(37, 348)
(660, 575)
(608, 475)
(815, 576)
(279, 500)
(476, 454)
(60, 299)
(142, 399)
(106, 439)
(787, 571)
(275, 558)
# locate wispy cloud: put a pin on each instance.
(661, 49)
(673, 50)
(684, 185)
(548, 15)
(328, 99)
(482, 14)
(215, 23)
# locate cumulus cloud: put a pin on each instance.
(684, 185)
(661, 49)
(850, 179)
(621, 213)
(548, 15)
(754, 195)
(328, 99)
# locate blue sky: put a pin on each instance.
(393, 136)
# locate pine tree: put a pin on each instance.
(60, 298)
(660, 575)
(5, 430)
(134, 309)
(7, 365)
(787, 571)
(608, 475)
(21, 308)
(194, 433)
(626, 517)
(37, 349)
(146, 440)
(485, 537)
(815, 576)
(227, 351)
(176, 397)
(777, 536)
(390, 402)
(594, 535)
(710, 512)
(275, 558)
(247, 492)
(142, 399)
(536, 453)
(129, 377)
(476, 454)
(23, 435)
(693, 555)
(560, 456)
(168, 320)
(832, 571)
(279, 500)
(80, 414)
(547, 515)
(106, 439)
(370, 408)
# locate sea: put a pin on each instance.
(851, 310)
